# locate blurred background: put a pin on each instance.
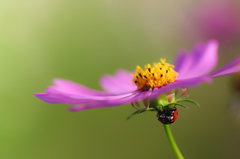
(82, 40)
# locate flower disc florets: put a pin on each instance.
(159, 74)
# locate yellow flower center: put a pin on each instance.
(154, 76)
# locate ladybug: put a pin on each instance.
(168, 115)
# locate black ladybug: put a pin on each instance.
(168, 115)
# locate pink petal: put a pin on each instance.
(112, 103)
(231, 67)
(202, 60)
(182, 83)
(67, 92)
(118, 83)
(70, 87)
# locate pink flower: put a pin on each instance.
(191, 69)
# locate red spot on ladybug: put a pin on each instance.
(168, 115)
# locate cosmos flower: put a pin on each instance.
(145, 84)
(217, 20)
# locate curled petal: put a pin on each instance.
(146, 103)
(170, 97)
(184, 90)
(133, 105)
(138, 105)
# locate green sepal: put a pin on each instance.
(190, 101)
(181, 105)
(142, 111)
(170, 105)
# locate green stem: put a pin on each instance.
(172, 142)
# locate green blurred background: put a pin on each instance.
(80, 41)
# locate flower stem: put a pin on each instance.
(172, 142)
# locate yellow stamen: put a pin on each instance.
(157, 75)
